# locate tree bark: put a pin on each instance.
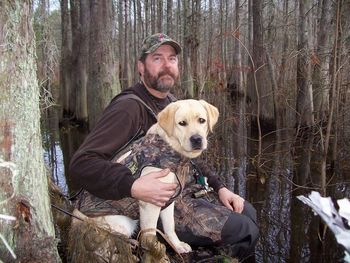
(320, 79)
(169, 18)
(126, 77)
(159, 16)
(187, 86)
(235, 79)
(23, 180)
(81, 78)
(102, 81)
(147, 22)
(140, 24)
(153, 16)
(121, 43)
(281, 93)
(235, 84)
(209, 37)
(75, 35)
(222, 71)
(65, 66)
(304, 89)
(262, 85)
(331, 129)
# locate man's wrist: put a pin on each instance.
(221, 186)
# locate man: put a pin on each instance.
(233, 226)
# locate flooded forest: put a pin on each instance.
(277, 70)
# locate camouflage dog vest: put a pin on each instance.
(152, 150)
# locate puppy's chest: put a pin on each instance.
(152, 150)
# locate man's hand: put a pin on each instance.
(230, 200)
(150, 189)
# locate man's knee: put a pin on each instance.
(241, 231)
(249, 211)
(238, 228)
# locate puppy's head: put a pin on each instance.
(187, 124)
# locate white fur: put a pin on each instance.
(119, 223)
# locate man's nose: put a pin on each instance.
(167, 63)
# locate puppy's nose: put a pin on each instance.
(196, 142)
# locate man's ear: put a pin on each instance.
(166, 118)
(213, 114)
(140, 68)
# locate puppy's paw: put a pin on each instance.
(183, 247)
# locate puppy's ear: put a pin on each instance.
(213, 114)
(166, 118)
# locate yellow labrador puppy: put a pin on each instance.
(183, 126)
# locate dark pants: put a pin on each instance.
(215, 226)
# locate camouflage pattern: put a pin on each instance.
(152, 150)
(149, 150)
(203, 216)
(151, 43)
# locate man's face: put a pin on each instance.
(160, 70)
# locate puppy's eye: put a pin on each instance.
(201, 120)
(182, 123)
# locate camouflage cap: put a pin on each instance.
(151, 43)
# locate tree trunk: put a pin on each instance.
(179, 22)
(320, 80)
(159, 16)
(260, 90)
(81, 78)
(223, 19)
(331, 129)
(127, 78)
(23, 181)
(147, 22)
(75, 35)
(304, 90)
(136, 32)
(235, 79)
(169, 18)
(281, 92)
(121, 43)
(140, 25)
(102, 81)
(187, 81)
(209, 45)
(65, 67)
(153, 16)
(236, 87)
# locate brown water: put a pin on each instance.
(290, 232)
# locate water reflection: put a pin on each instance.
(273, 200)
(59, 143)
(53, 158)
(289, 230)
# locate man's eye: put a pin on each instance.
(201, 120)
(182, 123)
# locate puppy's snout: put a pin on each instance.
(196, 142)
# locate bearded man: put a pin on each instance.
(109, 187)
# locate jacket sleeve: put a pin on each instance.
(91, 168)
(213, 179)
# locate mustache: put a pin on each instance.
(166, 72)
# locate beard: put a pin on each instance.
(162, 82)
